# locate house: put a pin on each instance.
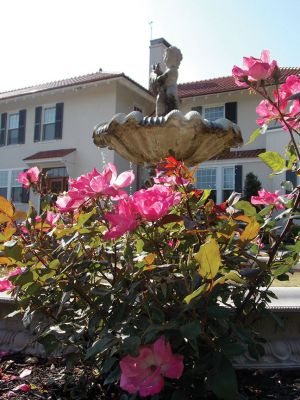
(222, 98)
(50, 126)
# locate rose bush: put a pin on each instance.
(157, 290)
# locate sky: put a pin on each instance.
(47, 40)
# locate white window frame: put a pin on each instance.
(43, 123)
(220, 179)
(206, 107)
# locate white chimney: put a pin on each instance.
(157, 49)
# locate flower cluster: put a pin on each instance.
(267, 198)
(145, 373)
(29, 177)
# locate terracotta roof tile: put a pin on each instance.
(50, 154)
(219, 85)
(239, 154)
(75, 81)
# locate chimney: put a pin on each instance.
(157, 49)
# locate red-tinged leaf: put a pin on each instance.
(22, 388)
(168, 219)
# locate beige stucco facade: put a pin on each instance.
(84, 107)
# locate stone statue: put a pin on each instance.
(164, 84)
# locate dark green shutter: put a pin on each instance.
(59, 120)
(22, 126)
(38, 124)
(3, 129)
(231, 111)
(199, 109)
(238, 186)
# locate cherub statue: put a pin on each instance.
(164, 85)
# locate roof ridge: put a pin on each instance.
(62, 80)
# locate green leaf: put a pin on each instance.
(191, 330)
(273, 160)
(251, 231)
(209, 259)
(246, 207)
(196, 293)
(83, 218)
(254, 135)
(232, 276)
(54, 264)
(139, 245)
(222, 379)
(204, 197)
(100, 345)
(131, 345)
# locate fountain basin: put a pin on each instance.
(186, 137)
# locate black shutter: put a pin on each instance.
(231, 111)
(3, 129)
(22, 126)
(238, 171)
(38, 124)
(292, 177)
(59, 120)
(199, 109)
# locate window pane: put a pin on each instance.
(13, 122)
(213, 113)
(57, 172)
(19, 195)
(3, 192)
(228, 178)
(206, 178)
(3, 179)
(14, 178)
(49, 132)
(13, 136)
(49, 115)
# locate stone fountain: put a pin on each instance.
(149, 139)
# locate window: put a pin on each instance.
(10, 188)
(228, 181)
(222, 180)
(18, 193)
(3, 183)
(207, 179)
(48, 122)
(213, 113)
(12, 129)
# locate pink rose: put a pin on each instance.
(70, 202)
(6, 284)
(169, 180)
(267, 198)
(255, 69)
(145, 373)
(155, 202)
(31, 176)
(122, 220)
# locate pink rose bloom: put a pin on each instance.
(255, 69)
(171, 180)
(68, 202)
(52, 218)
(107, 183)
(145, 373)
(6, 284)
(31, 176)
(122, 220)
(155, 202)
(267, 198)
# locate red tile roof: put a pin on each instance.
(50, 154)
(223, 84)
(75, 81)
(239, 154)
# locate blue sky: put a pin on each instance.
(49, 40)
